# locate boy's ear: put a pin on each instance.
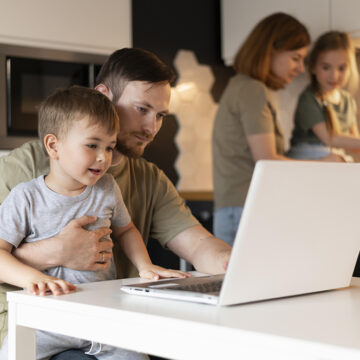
(104, 90)
(51, 145)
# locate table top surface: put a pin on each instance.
(330, 317)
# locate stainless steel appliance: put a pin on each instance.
(27, 76)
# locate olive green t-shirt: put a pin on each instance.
(309, 112)
(245, 108)
(154, 205)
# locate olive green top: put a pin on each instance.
(245, 108)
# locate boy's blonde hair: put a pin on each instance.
(58, 112)
(275, 33)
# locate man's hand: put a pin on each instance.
(74, 247)
(83, 249)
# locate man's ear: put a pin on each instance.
(51, 146)
(104, 90)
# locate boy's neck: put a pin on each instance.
(63, 186)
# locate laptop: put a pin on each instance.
(298, 234)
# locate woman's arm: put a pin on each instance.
(263, 147)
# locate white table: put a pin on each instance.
(316, 326)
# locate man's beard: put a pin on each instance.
(125, 150)
(133, 152)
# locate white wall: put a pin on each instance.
(239, 18)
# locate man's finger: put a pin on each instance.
(105, 247)
(102, 232)
(85, 220)
(99, 266)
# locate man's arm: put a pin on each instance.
(207, 253)
(74, 247)
(134, 248)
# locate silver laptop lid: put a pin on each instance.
(299, 231)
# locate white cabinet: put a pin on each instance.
(239, 17)
(96, 26)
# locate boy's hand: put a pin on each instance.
(154, 272)
(49, 285)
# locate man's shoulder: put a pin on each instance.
(31, 151)
(22, 164)
(135, 167)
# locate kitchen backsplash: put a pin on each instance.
(195, 110)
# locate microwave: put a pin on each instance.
(27, 76)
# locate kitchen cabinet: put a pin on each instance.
(90, 26)
(239, 17)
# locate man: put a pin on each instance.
(138, 83)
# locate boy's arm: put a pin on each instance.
(74, 247)
(134, 248)
(16, 273)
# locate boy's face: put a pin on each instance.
(142, 107)
(84, 154)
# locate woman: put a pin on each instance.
(325, 117)
(246, 126)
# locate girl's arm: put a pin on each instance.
(134, 248)
(350, 142)
(16, 273)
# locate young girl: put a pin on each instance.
(325, 117)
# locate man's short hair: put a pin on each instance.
(58, 112)
(132, 64)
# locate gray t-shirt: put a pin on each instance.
(33, 212)
(247, 107)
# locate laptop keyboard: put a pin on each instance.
(205, 287)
